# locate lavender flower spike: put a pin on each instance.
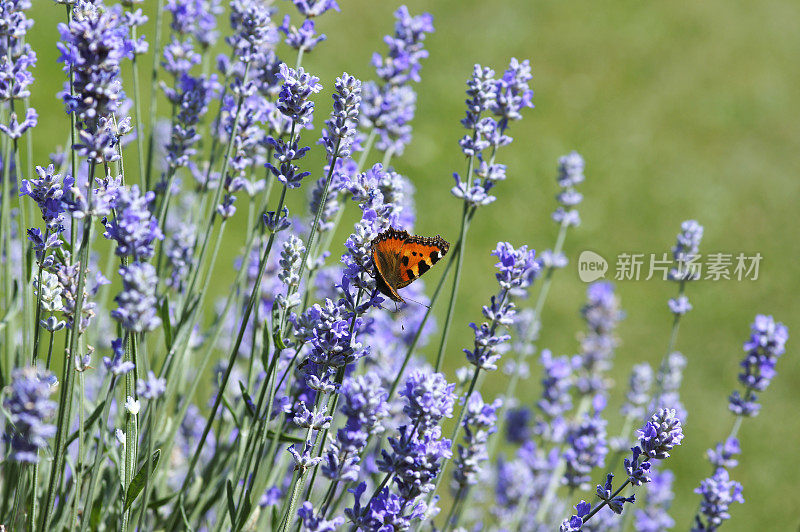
(766, 344)
(29, 407)
(137, 302)
(294, 99)
(341, 126)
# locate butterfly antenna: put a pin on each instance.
(417, 302)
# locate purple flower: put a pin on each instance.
(339, 132)
(602, 314)
(718, 492)
(515, 267)
(406, 49)
(518, 425)
(479, 422)
(286, 152)
(138, 304)
(570, 174)
(294, 98)
(556, 385)
(68, 280)
(180, 57)
(29, 408)
(152, 387)
(389, 106)
(639, 384)
(766, 344)
(16, 61)
(253, 30)
(429, 398)
(291, 256)
(304, 460)
(315, 8)
(134, 228)
(415, 459)
(303, 38)
(638, 471)
(586, 449)
(118, 365)
(659, 435)
(93, 44)
(48, 193)
(364, 407)
(195, 17)
(387, 511)
(179, 252)
(668, 379)
(605, 491)
(653, 517)
(574, 523)
(512, 92)
(481, 95)
(191, 99)
(15, 129)
(317, 523)
(685, 252)
(723, 455)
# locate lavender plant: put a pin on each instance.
(297, 400)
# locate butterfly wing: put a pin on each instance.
(418, 255)
(400, 259)
(386, 251)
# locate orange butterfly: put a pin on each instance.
(401, 258)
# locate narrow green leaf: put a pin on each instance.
(285, 438)
(229, 406)
(231, 505)
(248, 401)
(276, 518)
(165, 322)
(87, 424)
(136, 485)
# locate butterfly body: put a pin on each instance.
(401, 258)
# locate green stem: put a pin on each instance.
(78, 473)
(459, 258)
(148, 483)
(67, 381)
(138, 110)
(98, 457)
(153, 95)
(131, 423)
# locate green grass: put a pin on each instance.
(680, 110)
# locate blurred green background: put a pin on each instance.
(681, 110)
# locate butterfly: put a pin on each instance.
(401, 258)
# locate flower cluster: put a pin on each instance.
(17, 58)
(685, 255)
(137, 311)
(416, 455)
(602, 314)
(766, 344)
(505, 98)
(480, 421)
(389, 106)
(516, 268)
(92, 46)
(134, 228)
(339, 133)
(29, 408)
(656, 439)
